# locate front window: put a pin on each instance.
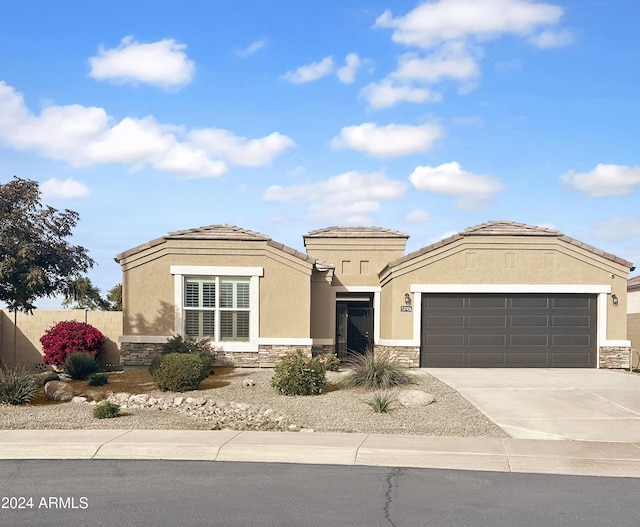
(217, 307)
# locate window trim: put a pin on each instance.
(253, 273)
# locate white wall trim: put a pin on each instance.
(356, 288)
(398, 342)
(511, 288)
(144, 339)
(616, 343)
(286, 341)
(216, 270)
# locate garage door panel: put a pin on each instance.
(528, 302)
(436, 339)
(484, 359)
(451, 321)
(483, 302)
(571, 340)
(560, 321)
(524, 339)
(527, 321)
(484, 321)
(509, 330)
(483, 339)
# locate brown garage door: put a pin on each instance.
(509, 331)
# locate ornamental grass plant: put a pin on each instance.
(375, 371)
(17, 385)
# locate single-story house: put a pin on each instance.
(500, 294)
(633, 316)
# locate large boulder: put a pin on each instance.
(59, 391)
(46, 376)
(414, 398)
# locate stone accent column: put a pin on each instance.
(138, 353)
(614, 357)
(409, 356)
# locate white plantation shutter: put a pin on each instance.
(222, 318)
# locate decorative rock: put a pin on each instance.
(141, 398)
(95, 395)
(414, 398)
(78, 399)
(44, 377)
(178, 401)
(248, 382)
(59, 391)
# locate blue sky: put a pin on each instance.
(286, 116)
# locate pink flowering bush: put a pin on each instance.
(68, 337)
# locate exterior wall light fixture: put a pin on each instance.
(407, 299)
(614, 300)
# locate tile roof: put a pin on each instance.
(355, 232)
(633, 284)
(223, 232)
(509, 228)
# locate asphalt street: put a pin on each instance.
(193, 493)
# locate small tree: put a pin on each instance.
(82, 294)
(36, 260)
(115, 297)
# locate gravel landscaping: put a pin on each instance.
(225, 401)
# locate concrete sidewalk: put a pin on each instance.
(588, 458)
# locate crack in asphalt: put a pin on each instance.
(392, 482)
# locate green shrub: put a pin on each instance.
(381, 401)
(106, 410)
(178, 372)
(17, 385)
(297, 374)
(199, 347)
(97, 379)
(79, 365)
(330, 360)
(376, 371)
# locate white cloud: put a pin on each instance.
(449, 35)
(349, 198)
(417, 216)
(240, 150)
(432, 23)
(472, 192)
(388, 141)
(618, 229)
(451, 61)
(252, 48)
(63, 189)
(553, 39)
(388, 93)
(85, 136)
(310, 72)
(347, 74)
(163, 63)
(604, 180)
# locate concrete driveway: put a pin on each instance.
(578, 404)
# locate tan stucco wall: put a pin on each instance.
(504, 260)
(149, 289)
(31, 327)
(322, 306)
(357, 261)
(633, 322)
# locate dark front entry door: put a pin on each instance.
(354, 327)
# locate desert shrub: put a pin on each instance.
(97, 379)
(381, 401)
(106, 410)
(199, 347)
(297, 374)
(178, 372)
(375, 371)
(17, 385)
(79, 365)
(330, 360)
(68, 337)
